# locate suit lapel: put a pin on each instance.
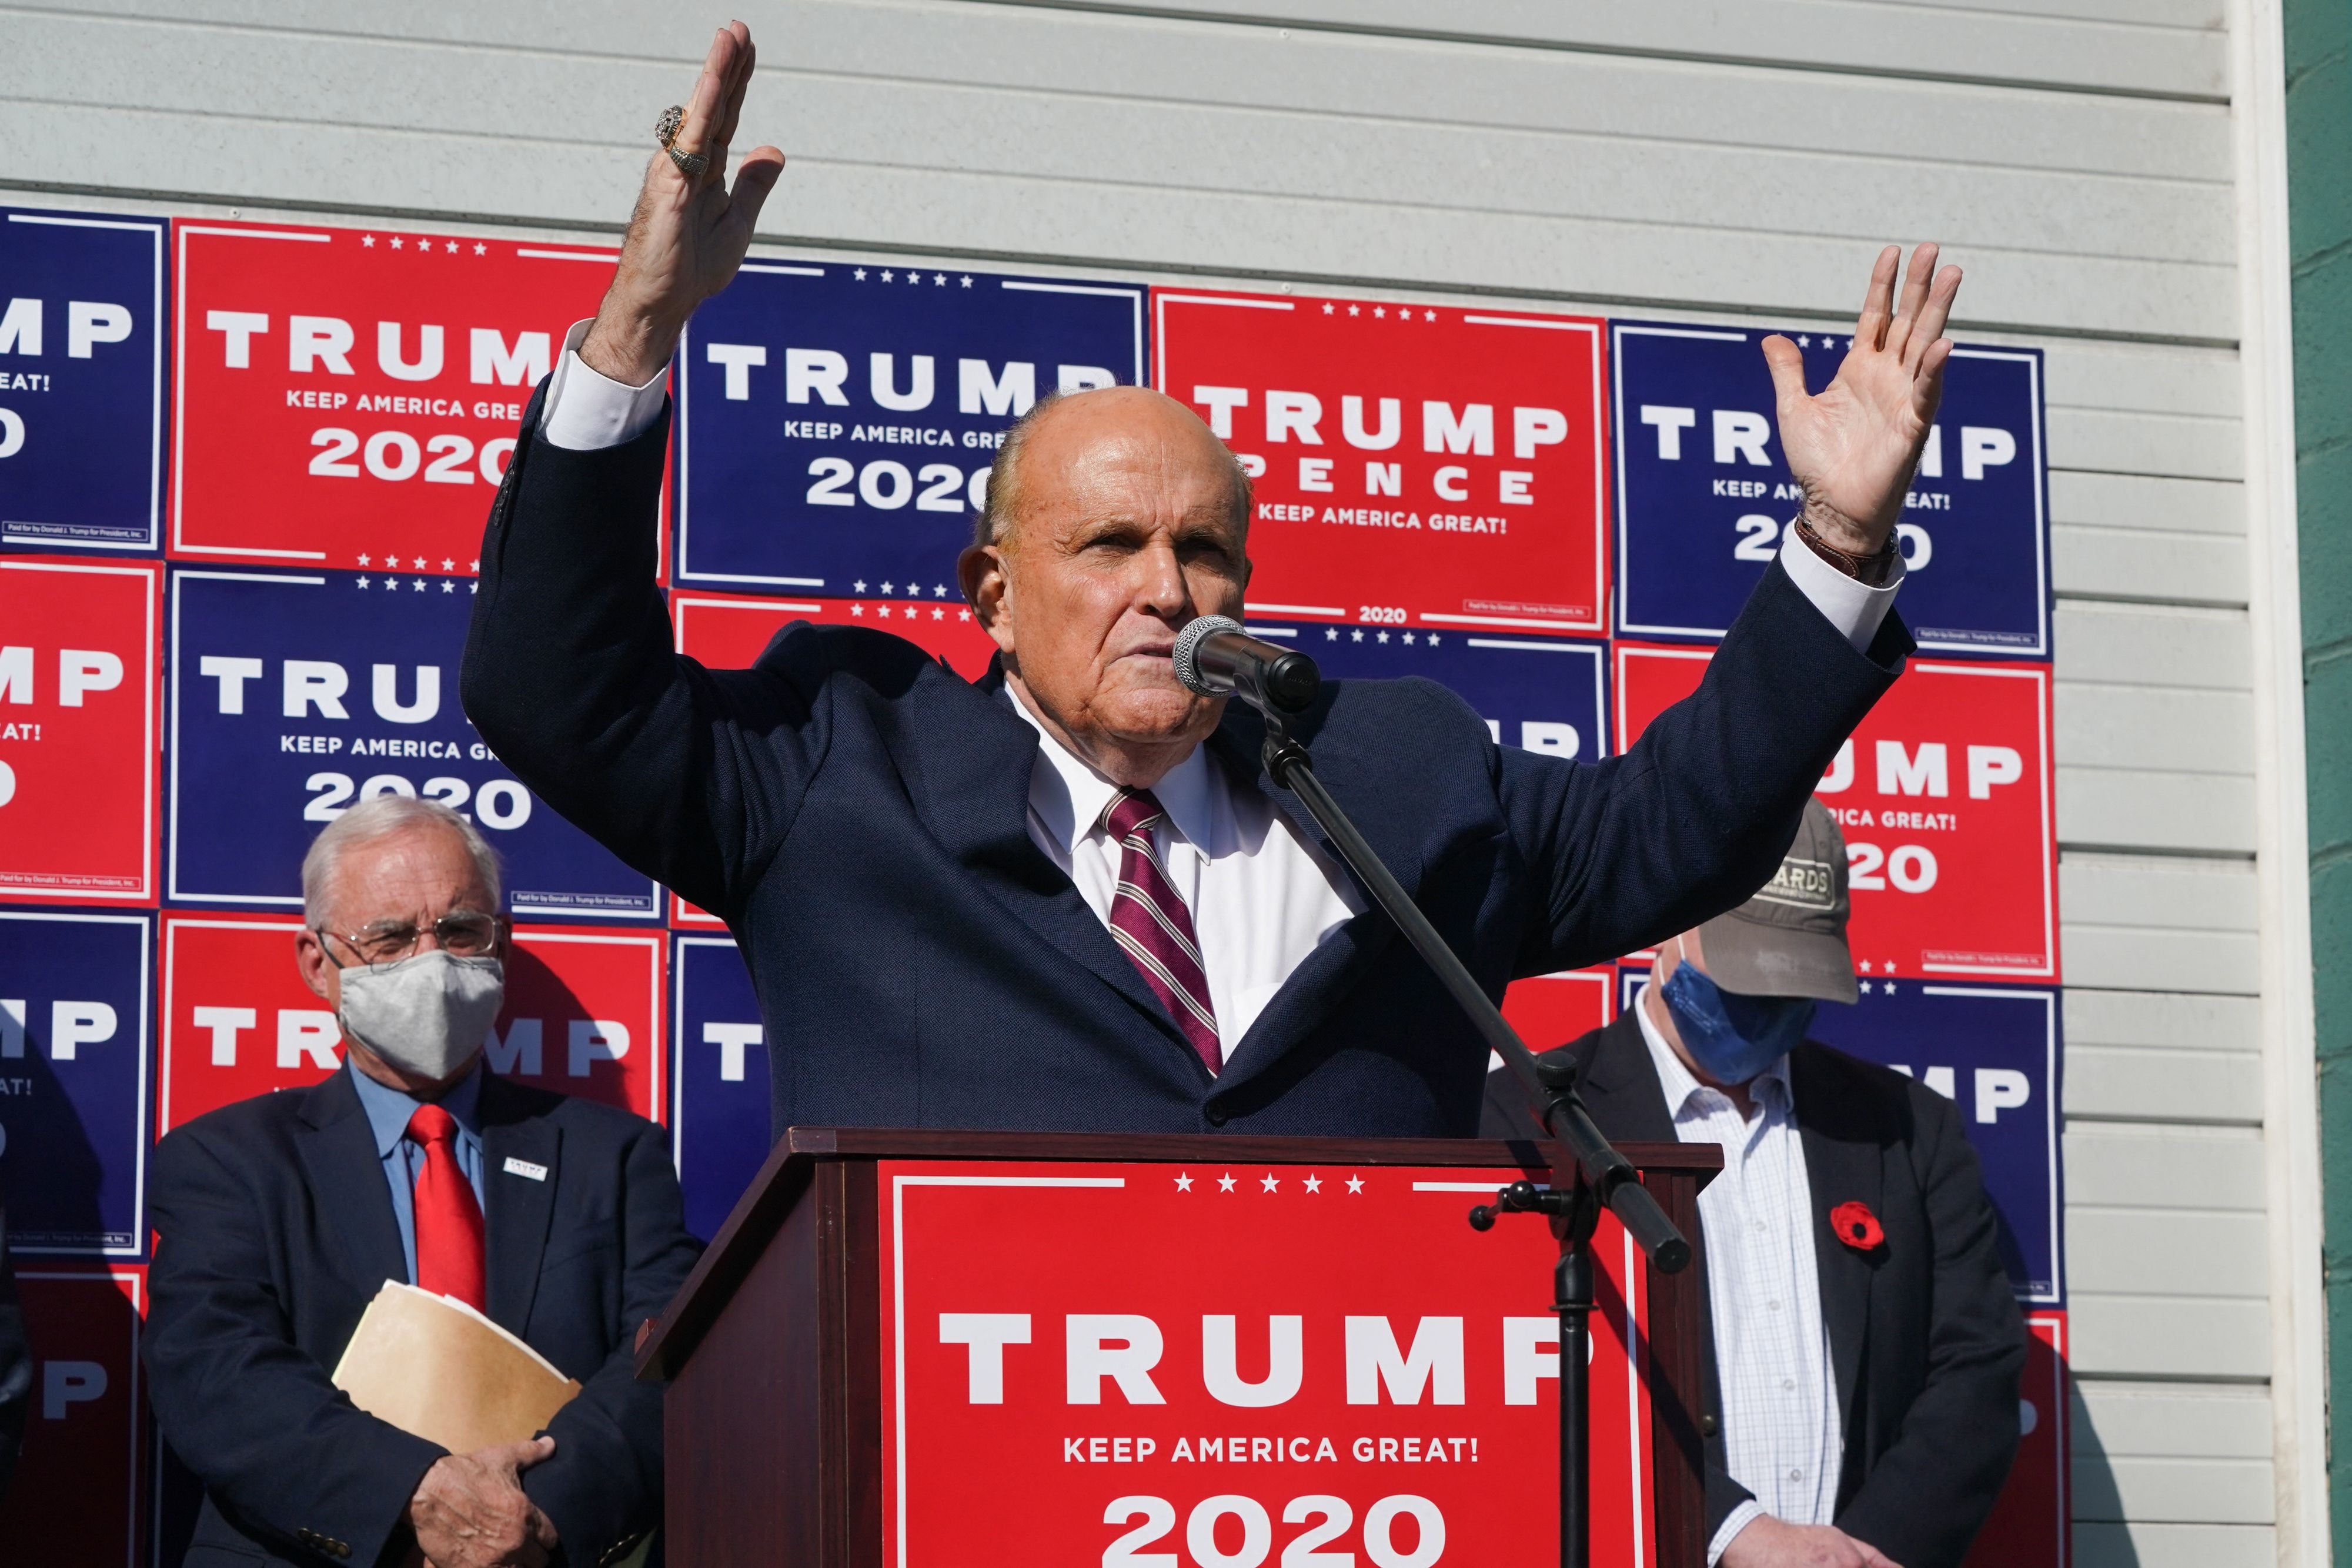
(973, 795)
(1381, 814)
(347, 1180)
(1620, 1085)
(517, 1206)
(1838, 1170)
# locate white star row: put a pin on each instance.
(939, 279)
(915, 590)
(1886, 986)
(1331, 634)
(424, 246)
(1380, 312)
(447, 563)
(448, 584)
(911, 611)
(1885, 968)
(1805, 341)
(1268, 1183)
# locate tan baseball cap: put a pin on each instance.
(1790, 939)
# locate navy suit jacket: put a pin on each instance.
(857, 814)
(1926, 1342)
(275, 1229)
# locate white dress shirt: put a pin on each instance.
(1262, 898)
(1783, 1434)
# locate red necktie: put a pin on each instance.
(449, 1218)
(1152, 926)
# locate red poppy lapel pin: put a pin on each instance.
(1857, 1226)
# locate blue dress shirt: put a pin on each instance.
(388, 1111)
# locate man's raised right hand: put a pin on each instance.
(687, 236)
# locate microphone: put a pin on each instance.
(1214, 656)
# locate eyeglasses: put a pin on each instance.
(461, 933)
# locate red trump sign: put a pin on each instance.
(1412, 462)
(582, 1016)
(1944, 796)
(2028, 1526)
(1552, 1010)
(78, 698)
(76, 1496)
(1238, 1364)
(350, 397)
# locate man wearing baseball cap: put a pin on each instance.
(1867, 1345)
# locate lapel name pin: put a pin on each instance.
(525, 1168)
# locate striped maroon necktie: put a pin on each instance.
(1151, 924)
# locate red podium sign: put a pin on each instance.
(1422, 463)
(350, 397)
(1148, 1364)
(1944, 796)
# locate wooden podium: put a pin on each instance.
(827, 1411)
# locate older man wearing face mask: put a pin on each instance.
(1866, 1346)
(1068, 896)
(279, 1219)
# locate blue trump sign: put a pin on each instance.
(82, 381)
(1704, 491)
(1993, 1053)
(836, 423)
(719, 1121)
(294, 697)
(74, 1048)
(1543, 694)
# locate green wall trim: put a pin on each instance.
(2318, 49)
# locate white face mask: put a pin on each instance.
(426, 1015)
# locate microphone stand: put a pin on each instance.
(1592, 1174)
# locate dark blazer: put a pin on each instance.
(1924, 1335)
(275, 1229)
(857, 814)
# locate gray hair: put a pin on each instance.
(371, 822)
(1003, 498)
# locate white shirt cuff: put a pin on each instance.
(587, 411)
(1739, 1518)
(1853, 607)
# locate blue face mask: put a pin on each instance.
(1731, 1037)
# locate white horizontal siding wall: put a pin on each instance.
(1676, 156)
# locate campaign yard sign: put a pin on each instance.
(720, 1128)
(351, 397)
(1231, 1360)
(79, 710)
(77, 1496)
(1415, 465)
(1704, 491)
(2030, 1526)
(74, 1035)
(1944, 796)
(835, 422)
(1993, 1053)
(82, 381)
(1544, 694)
(582, 1016)
(296, 695)
(1553, 1009)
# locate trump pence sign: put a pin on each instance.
(1231, 1365)
(1414, 465)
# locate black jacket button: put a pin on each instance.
(1214, 1117)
